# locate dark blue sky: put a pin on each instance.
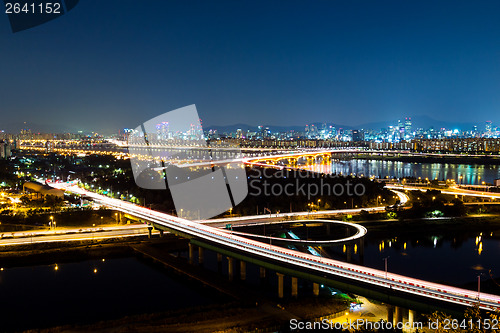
(113, 64)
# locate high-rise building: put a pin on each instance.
(5, 149)
(488, 128)
(357, 135)
(162, 131)
(407, 127)
(26, 134)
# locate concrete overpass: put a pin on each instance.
(385, 286)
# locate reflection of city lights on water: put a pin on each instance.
(435, 241)
(404, 246)
(355, 248)
(480, 248)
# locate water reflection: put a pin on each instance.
(461, 173)
(452, 258)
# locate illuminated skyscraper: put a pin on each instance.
(407, 128)
(488, 128)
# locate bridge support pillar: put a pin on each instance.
(294, 287)
(262, 273)
(390, 313)
(219, 262)
(398, 315)
(243, 270)
(280, 284)
(191, 253)
(361, 249)
(230, 268)
(161, 233)
(349, 252)
(315, 289)
(411, 317)
(150, 230)
(200, 255)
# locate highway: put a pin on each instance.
(453, 190)
(76, 234)
(70, 235)
(360, 232)
(324, 266)
(403, 199)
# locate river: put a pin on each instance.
(471, 173)
(92, 290)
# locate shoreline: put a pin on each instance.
(444, 159)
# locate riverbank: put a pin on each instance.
(228, 317)
(465, 159)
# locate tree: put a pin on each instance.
(53, 202)
(25, 200)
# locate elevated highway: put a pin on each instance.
(311, 266)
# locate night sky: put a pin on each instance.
(114, 64)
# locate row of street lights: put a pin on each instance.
(311, 204)
(52, 223)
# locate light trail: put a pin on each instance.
(402, 197)
(453, 191)
(27, 239)
(360, 232)
(321, 265)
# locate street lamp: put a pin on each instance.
(51, 223)
(478, 286)
(385, 260)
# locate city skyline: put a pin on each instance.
(404, 128)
